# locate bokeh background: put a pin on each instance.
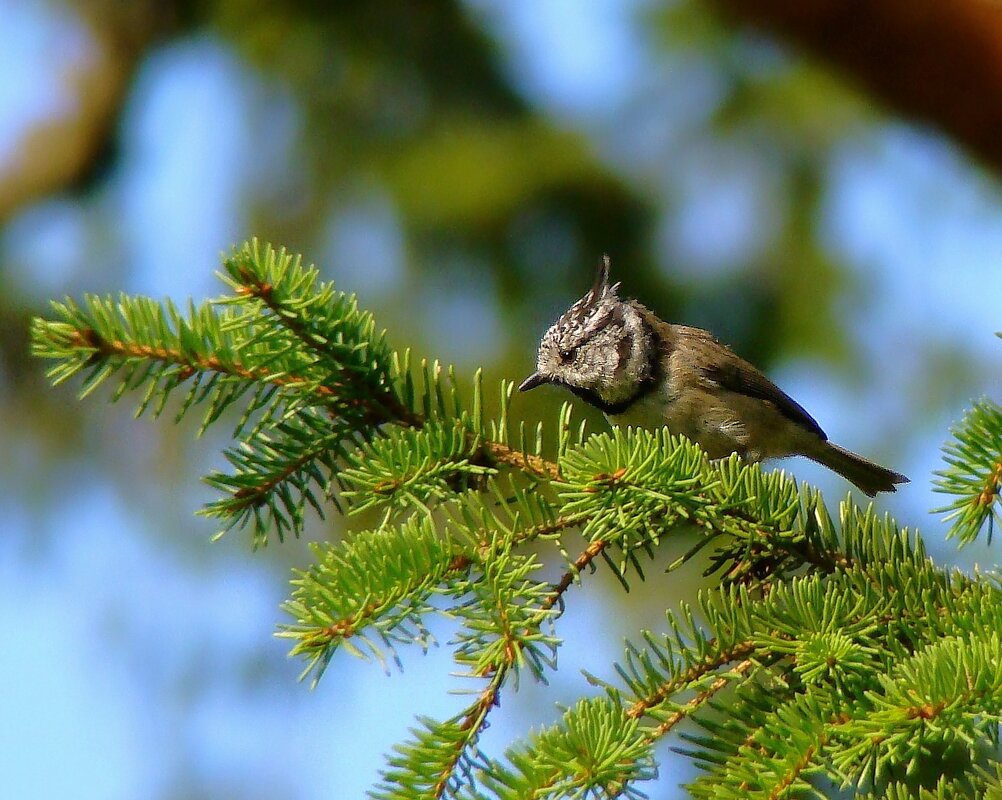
(461, 165)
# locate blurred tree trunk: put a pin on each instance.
(939, 61)
(73, 148)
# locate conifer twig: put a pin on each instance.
(587, 556)
(697, 702)
(694, 673)
(472, 723)
(503, 454)
(89, 339)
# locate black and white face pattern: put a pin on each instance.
(600, 349)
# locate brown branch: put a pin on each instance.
(476, 715)
(252, 496)
(547, 528)
(695, 672)
(460, 563)
(393, 409)
(675, 718)
(472, 723)
(787, 780)
(696, 702)
(389, 410)
(347, 626)
(502, 454)
(89, 339)
(590, 553)
(926, 711)
(826, 560)
(938, 61)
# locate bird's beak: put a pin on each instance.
(534, 380)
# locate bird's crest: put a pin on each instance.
(600, 288)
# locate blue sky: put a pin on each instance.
(920, 225)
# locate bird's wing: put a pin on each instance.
(723, 367)
(740, 377)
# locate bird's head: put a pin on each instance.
(598, 348)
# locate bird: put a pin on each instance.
(618, 356)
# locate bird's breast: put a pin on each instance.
(699, 416)
(651, 411)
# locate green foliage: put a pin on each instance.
(987, 786)
(316, 375)
(504, 619)
(595, 751)
(974, 473)
(376, 586)
(831, 651)
(427, 765)
(411, 468)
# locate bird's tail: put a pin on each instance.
(869, 477)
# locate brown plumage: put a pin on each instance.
(639, 370)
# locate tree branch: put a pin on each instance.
(696, 702)
(937, 61)
(590, 553)
(695, 672)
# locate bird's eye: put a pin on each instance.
(566, 355)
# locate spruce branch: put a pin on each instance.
(578, 757)
(950, 690)
(581, 563)
(475, 717)
(974, 473)
(409, 468)
(339, 337)
(784, 747)
(873, 739)
(831, 648)
(369, 593)
(502, 634)
(473, 721)
(690, 707)
(946, 788)
(503, 618)
(495, 648)
(636, 487)
(156, 345)
(652, 704)
(508, 510)
(433, 763)
(276, 473)
(290, 346)
(598, 547)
